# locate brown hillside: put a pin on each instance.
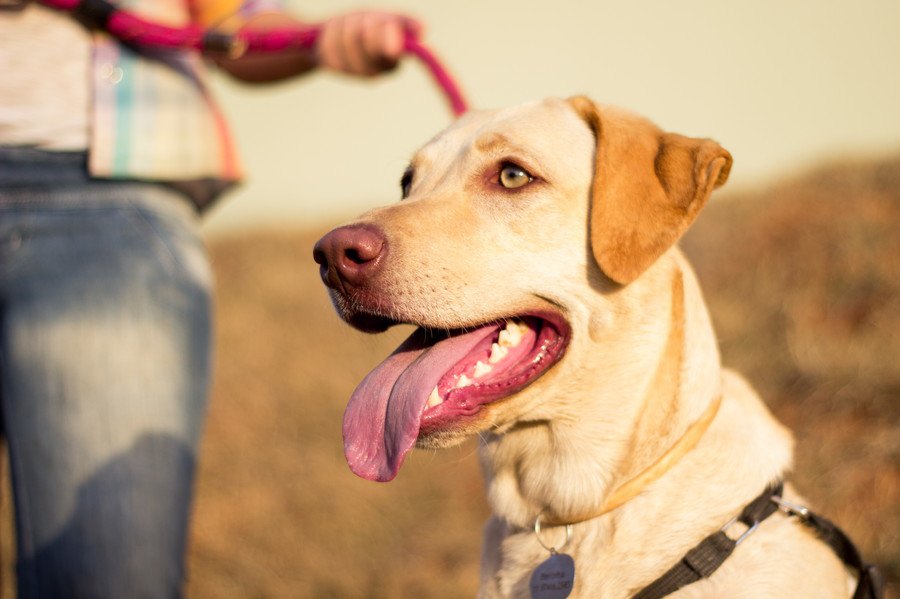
(803, 280)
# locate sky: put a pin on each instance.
(782, 84)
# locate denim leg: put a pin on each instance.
(104, 365)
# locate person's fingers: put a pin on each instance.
(357, 62)
(364, 43)
(382, 40)
(329, 53)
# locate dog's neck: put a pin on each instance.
(650, 381)
(667, 377)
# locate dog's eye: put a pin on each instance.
(513, 176)
(406, 182)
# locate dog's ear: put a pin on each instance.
(648, 187)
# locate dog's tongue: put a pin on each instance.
(381, 422)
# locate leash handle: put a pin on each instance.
(131, 29)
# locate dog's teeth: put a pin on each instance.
(497, 353)
(482, 369)
(520, 327)
(434, 399)
(511, 336)
(463, 381)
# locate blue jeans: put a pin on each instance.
(104, 366)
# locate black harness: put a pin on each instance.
(704, 559)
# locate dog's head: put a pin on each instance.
(514, 226)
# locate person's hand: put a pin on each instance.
(363, 43)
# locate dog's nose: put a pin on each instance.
(350, 256)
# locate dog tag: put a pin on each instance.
(554, 578)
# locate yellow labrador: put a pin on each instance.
(535, 250)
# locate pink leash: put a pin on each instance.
(131, 29)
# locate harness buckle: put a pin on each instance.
(743, 535)
(791, 509)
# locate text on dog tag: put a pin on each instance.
(554, 578)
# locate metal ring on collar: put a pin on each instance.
(553, 550)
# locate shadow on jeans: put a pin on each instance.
(126, 537)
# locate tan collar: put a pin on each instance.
(630, 489)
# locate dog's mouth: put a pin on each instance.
(438, 380)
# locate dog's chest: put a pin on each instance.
(509, 564)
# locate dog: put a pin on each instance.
(534, 248)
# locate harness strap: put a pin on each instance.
(870, 584)
(706, 557)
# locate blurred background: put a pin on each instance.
(782, 85)
(799, 257)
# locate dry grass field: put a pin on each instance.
(803, 280)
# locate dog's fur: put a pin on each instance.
(592, 239)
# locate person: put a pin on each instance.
(107, 155)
